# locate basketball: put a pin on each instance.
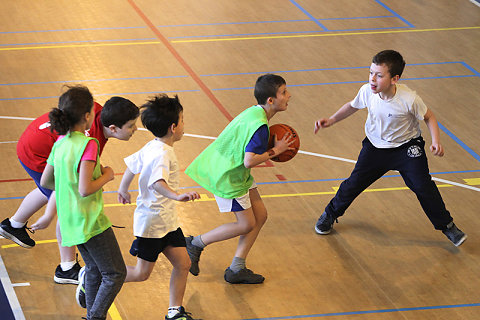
(280, 130)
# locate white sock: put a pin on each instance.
(16, 224)
(172, 311)
(67, 265)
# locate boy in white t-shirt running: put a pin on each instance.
(393, 142)
(156, 223)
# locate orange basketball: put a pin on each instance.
(280, 130)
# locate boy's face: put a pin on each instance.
(126, 131)
(380, 79)
(179, 128)
(281, 101)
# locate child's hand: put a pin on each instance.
(123, 197)
(108, 173)
(188, 196)
(283, 144)
(42, 223)
(437, 149)
(322, 123)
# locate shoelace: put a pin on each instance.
(28, 228)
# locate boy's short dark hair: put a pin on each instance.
(159, 113)
(118, 111)
(392, 59)
(267, 86)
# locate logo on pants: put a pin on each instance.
(414, 151)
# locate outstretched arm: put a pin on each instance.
(123, 194)
(345, 111)
(162, 187)
(436, 148)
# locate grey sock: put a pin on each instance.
(237, 264)
(197, 242)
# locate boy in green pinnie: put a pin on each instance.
(223, 168)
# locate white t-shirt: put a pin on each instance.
(155, 215)
(391, 123)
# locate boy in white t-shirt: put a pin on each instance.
(393, 142)
(156, 223)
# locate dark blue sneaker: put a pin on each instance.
(242, 276)
(454, 234)
(324, 224)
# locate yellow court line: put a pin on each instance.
(113, 312)
(324, 35)
(37, 242)
(205, 197)
(235, 39)
(80, 45)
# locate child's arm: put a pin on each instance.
(87, 186)
(253, 159)
(162, 187)
(50, 212)
(344, 112)
(48, 179)
(123, 194)
(432, 124)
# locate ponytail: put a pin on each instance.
(73, 104)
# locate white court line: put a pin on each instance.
(11, 296)
(461, 185)
(475, 2)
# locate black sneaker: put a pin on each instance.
(181, 315)
(67, 277)
(454, 234)
(194, 254)
(17, 235)
(242, 276)
(325, 223)
(80, 292)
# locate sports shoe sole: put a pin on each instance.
(461, 241)
(81, 276)
(9, 236)
(322, 232)
(65, 281)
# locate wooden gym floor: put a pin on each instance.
(383, 260)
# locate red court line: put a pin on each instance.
(184, 64)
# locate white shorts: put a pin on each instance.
(236, 204)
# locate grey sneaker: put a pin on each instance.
(17, 235)
(194, 254)
(454, 234)
(80, 292)
(243, 276)
(324, 224)
(67, 277)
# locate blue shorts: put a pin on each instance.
(36, 177)
(149, 248)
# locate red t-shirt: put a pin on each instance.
(36, 142)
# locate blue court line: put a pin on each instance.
(75, 41)
(66, 30)
(475, 74)
(460, 142)
(90, 80)
(276, 33)
(333, 314)
(309, 15)
(395, 14)
(288, 181)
